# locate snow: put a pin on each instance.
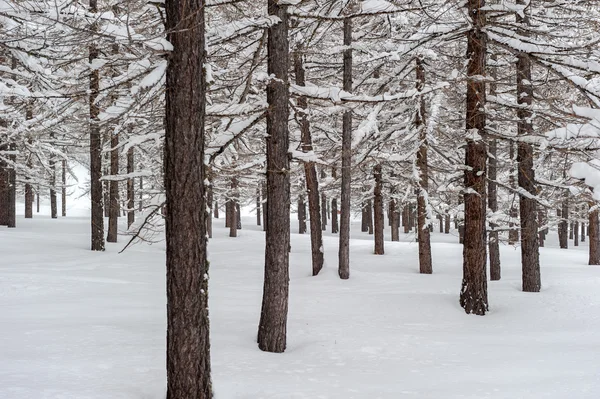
(78, 324)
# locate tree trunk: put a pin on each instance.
(541, 232)
(324, 204)
(63, 201)
(130, 188)
(228, 216)
(473, 295)
(53, 204)
(334, 216)
(301, 215)
(582, 231)
(530, 253)
(273, 319)
(563, 226)
(405, 219)
(493, 239)
(576, 234)
(378, 211)
(97, 212)
(141, 195)
(344, 248)
(238, 215)
(364, 223)
(423, 232)
(447, 224)
(209, 205)
(113, 207)
(594, 235)
(258, 208)
(370, 215)
(188, 342)
(264, 205)
(233, 216)
(394, 220)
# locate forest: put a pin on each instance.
(361, 180)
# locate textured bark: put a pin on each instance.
(97, 213)
(233, 216)
(324, 212)
(530, 253)
(423, 231)
(113, 195)
(563, 226)
(29, 193)
(301, 215)
(513, 234)
(63, 202)
(258, 208)
(582, 232)
(209, 205)
(405, 219)
(238, 215)
(4, 181)
(310, 172)
(334, 216)
(344, 247)
(473, 295)
(273, 318)
(188, 343)
(130, 188)
(364, 223)
(228, 214)
(594, 235)
(493, 238)
(53, 203)
(394, 220)
(264, 205)
(216, 210)
(370, 215)
(11, 201)
(378, 211)
(571, 231)
(541, 232)
(576, 234)
(37, 197)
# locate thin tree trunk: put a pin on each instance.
(216, 210)
(334, 216)
(576, 234)
(571, 231)
(447, 224)
(594, 235)
(38, 200)
(273, 319)
(541, 233)
(344, 247)
(264, 205)
(513, 234)
(53, 204)
(394, 220)
(405, 219)
(238, 215)
(364, 223)
(233, 226)
(473, 295)
(493, 239)
(97, 212)
(378, 211)
(258, 208)
(582, 231)
(63, 201)
(228, 216)
(141, 195)
(113, 207)
(130, 188)
(301, 215)
(370, 215)
(188, 342)
(563, 226)
(423, 232)
(12, 191)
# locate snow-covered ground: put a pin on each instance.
(77, 324)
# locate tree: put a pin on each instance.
(188, 345)
(272, 328)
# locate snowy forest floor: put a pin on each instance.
(78, 324)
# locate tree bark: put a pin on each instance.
(493, 238)
(582, 231)
(563, 226)
(344, 247)
(258, 208)
(370, 215)
(97, 212)
(334, 216)
(301, 215)
(576, 233)
(594, 235)
(53, 204)
(63, 202)
(113, 206)
(141, 195)
(273, 319)
(130, 188)
(364, 223)
(513, 234)
(447, 224)
(423, 232)
(394, 220)
(473, 295)
(188, 343)
(378, 211)
(233, 216)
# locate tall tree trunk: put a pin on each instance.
(405, 219)
(563, 226)
(334, 216)
(216, 210)
(370, 215)
(264, 205)
(394, 219)
(493, 239)
(582, 231)
(113, 206)
(324, 204)
(233, 216)
(344, 248)
(364, 223)
(273, 318)
(11, 200)
(238, 215)
(378, 211)
(473, 295)
(53, 204)
(301, 215)
(63, 201)
(188, 342)
(594, 234)
(37, 197)
(571, 230)
(97, 213)
(423, 232)
(513, 234)
(541, 232)
(209, 205)
(130, 188)
(576, 234)
(228, 214)
(141, 195)
(29, 193)
(446, 224)
(258, 208)
(530, 253)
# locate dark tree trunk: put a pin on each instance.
(264, 205)
(37, 197)
(378, 211)
(29, 198)
(301, 215)
(582, 231)
(209, 204)
(440, 219)
(571, 231)
(364, 222)
(310, 173)
(576, 234)
(238, 215)
(447, 224)
(370, 215)
(405, 219)
(473, 295)
(141, 195)
(394, 219)
(11, 220)
(344, 248)
(513, 234)
(53, 203)
(563, 226)
(216, 210)
(188, 343)
(530, 253)
(97, 212)
(130, 188)
(493, 238)
(4, 187)
(423, 232)
(233, 216)
(594, 235)
(334, 216)
(324, 212)
(113, 208)
(541, 232)
(63, 201)
(273, 318)
(258, 208)
(228, 216)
